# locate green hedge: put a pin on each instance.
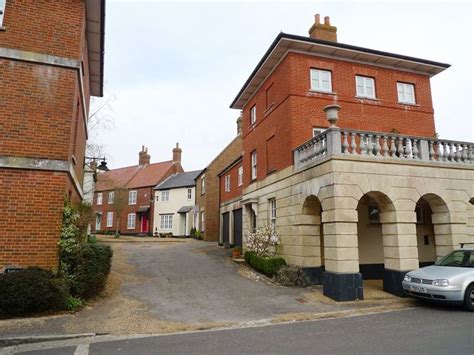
(88, 268)
(266, 265)
(31, 291)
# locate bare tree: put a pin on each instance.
(100, 119)
(119, 205)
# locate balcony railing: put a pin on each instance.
(337, 141)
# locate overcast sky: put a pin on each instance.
(174, 67)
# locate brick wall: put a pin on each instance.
(209, 201)
(144, 198)
(287, 109)
(30, 223)
(235, 189)
(47, 27)
(42, 118)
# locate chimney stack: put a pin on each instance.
(324, 30)
(239, 124)
(177, 153)
(143, 156)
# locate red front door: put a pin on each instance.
(144, 226)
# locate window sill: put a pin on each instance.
(3, 28)
(269, 109)
(271, 171)
(367, 98)
(322, 92)
(408, 104)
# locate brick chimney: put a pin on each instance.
(324, 30)
(239, 124)
(177, 153)
(143, 156)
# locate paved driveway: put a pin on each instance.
(160, 286)
(196, 282)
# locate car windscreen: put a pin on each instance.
(457, 258)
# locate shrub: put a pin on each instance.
(198, 234)
(291, 276)
(74, 303)
(262, 241)
(266, 265)
(92, 239)
(88, 268)
(30, 291)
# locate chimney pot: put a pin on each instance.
(323, 31)
(177, 153)
(143, 156)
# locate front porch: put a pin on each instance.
(365, 206)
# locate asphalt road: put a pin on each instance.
(425, 330)
(196, 283)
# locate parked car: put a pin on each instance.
(450, 279)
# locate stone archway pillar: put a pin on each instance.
(450, 229)
(400, 248)
(342, 280)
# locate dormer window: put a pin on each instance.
(321, 80)
(365, 87)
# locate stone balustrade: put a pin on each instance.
(337, 141)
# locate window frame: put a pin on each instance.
(132, 201)
(203, 220)
(319, 71)
(364, 94)
(404, 85)
(165, 195)
(321, 129)
(190, 194)
(134, 220)
(253, 165)
(227, 183)
(111, 197)
(110, 218)
(166, 221)
(253, 115)
(272, 213)
(3, 5)
(240, 176)
(99, 199)
(203, 184)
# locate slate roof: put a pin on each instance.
(135, 176)
(179, 180)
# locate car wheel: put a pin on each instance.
(469, 298)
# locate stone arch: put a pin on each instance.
(312, 238)
(372, 205)
(441, 220)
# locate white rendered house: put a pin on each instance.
(174, 205)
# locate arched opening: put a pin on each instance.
(425, 234)
(433, 228)
(370, 239)
(312, 208)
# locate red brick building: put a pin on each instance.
(51, 62)
(370, 192)
(138, 181)
(231, 181)
(207, 188)
(282, 100)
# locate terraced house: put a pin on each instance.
(124, 197)
(340, 152)
(51, 63)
